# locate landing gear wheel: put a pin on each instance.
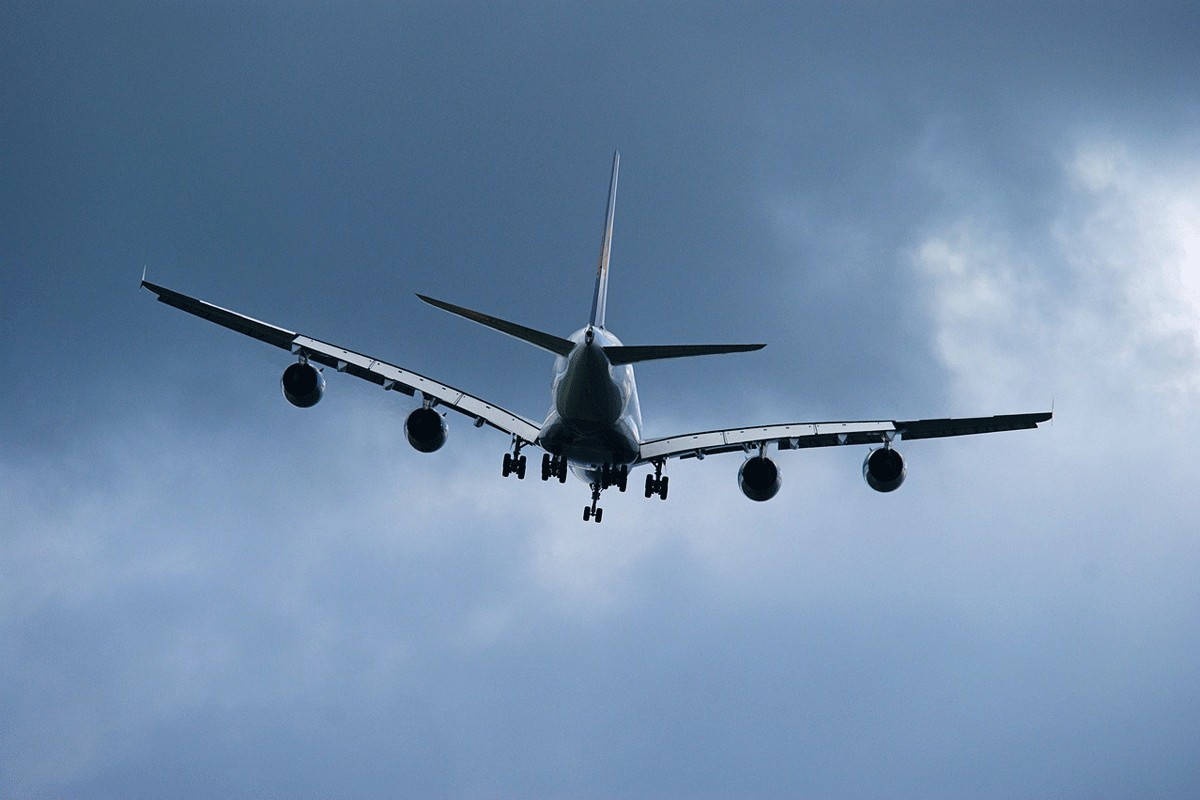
(662, 487)
(651, 486)
(587, 513)
(554, 467)
(514, 461)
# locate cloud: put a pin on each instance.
(1099, 301)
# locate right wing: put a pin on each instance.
(828, 434)
(370, 369)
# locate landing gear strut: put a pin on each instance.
(514, 462)
(591, 512)
(554, 467)
(657, 484)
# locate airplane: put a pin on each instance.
(594, 426)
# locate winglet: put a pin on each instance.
(600, 298)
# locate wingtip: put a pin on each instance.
(424, 298)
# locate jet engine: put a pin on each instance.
(759, 478)
(884, 469)
(303, 384)
(425, 430)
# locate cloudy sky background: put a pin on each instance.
(925, 210)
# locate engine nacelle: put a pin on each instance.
(425, 430)
(884, 469)
(759, 478)
(303, 385)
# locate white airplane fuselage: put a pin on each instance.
(595, 419)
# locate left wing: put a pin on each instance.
(828, 434)
(378, 372)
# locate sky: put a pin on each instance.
(925, 209)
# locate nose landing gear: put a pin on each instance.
(592, 512)
(610, 475)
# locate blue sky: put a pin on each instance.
(924, 209)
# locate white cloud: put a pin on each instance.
(1107, 310)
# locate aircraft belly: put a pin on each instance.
(615, 444)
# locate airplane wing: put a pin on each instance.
(828, 434)
(378, 372)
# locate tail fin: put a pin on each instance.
(600, 298)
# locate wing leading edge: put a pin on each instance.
(802, 435)
(381, 373)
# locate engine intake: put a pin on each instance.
(303, 385)
(759, 478)
(425, 430)
(884, 469)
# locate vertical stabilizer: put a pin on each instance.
(600, 299)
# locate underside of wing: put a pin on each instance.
(398, 379)
(803, 435)
(381, 373)
(785, 437)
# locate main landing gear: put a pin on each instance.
(514, 462)
(609, 476)
(554, 467)
(657, 484)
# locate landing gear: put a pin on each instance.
(554, 467)
(610, 475)
(657, 484)
(514, 462)
(591, 512)
(614, 476)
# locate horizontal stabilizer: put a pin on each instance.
(631, 355)
(546, 341)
